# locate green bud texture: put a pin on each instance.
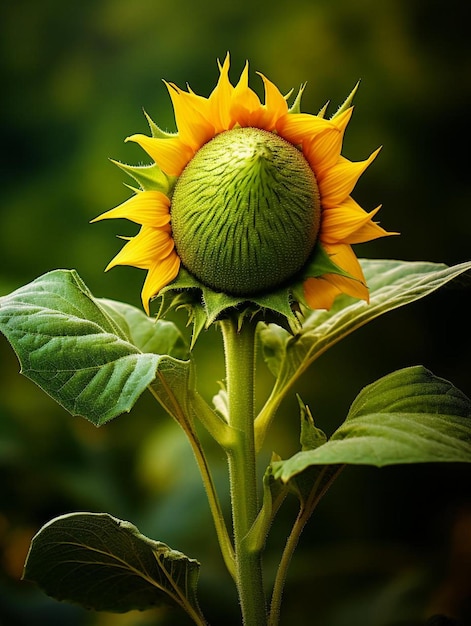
(245, 212)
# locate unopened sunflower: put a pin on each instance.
(247, 202)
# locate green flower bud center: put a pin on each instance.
(245, 212)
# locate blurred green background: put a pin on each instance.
(387, 547)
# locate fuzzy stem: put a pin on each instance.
(214, 504)
(239, 348)
(307, 508)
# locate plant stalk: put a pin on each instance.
(239, 349)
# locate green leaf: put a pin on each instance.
(392, 284)
(146, 333)
(310, 485)
(409, 416)
(311, 436)
(103, 563)
(70, 346)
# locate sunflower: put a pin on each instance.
(247, 200)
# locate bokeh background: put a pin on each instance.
(387, 547)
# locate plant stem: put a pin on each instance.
(178, 414)
(307, 508)
(280, 580)
(239, 349)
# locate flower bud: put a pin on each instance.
(245, 212)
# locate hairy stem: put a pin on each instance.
(221, 530)
(239, 348)
(306, 510)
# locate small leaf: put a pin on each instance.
(221, 403)
(310, 485)
(74, 350)
(103, 563)
(311, 436)
(409, 416)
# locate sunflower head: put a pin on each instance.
(247, 205)
(239, 223)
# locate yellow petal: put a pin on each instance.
(148, 247)
(146, 207)
(220, 99)
(297, 127)
(171, 155)
(343, 256)
(350, 287)
(191, 116)
(342, 120)
(275, 103)
(245, 106)
(243, 95)
(319, 293)
(159, 275)
(349, 223)
(337, 183)
(323, 150)
(366, 230)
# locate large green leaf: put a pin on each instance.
(78, 352)
(103, 563)
(409, 416)
(392, 284)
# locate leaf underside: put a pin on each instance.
(106, 564)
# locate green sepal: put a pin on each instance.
(347, 103)
(156, 131)
(184, 293)
(296, 106)
(106, 564)
(149, 177)
(188, 301)
(320, 263)
(206, 306)
(323, 110)
(274, 307)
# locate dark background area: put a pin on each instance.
(387, 547)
